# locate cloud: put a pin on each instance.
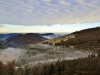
(48, 12)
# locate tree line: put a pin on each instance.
(81, 66)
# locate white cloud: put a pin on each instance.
(46, 12)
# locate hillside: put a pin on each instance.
(88, 39)
(23, 39)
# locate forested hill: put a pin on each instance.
(88, 39)
(82, 66)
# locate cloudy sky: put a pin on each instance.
(48, 15)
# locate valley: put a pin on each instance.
(40, 53)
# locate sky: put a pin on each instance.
(59, 16)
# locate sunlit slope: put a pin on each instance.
(59, 39)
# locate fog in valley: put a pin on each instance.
(10, 54)
(40, 53)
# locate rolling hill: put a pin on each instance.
(88, 39)
(23, 39)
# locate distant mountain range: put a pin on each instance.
(7, 35)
